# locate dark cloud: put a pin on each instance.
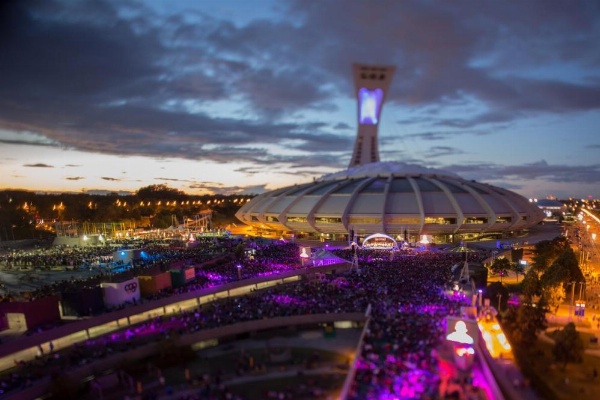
(216, 188)
(39, 165)
(441, 151)
(116, 77)
(41, 143)
(540, 170)
(172, 180)
(107, 178)
(74, 178)
(342, 126)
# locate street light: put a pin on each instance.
(239, 271)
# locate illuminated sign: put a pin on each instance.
(461, 330)
(190, 273)
(305, 252)
(131, 287)
(379, 241)
(369, 104)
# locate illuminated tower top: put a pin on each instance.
(371, 84)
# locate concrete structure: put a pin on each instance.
(371, 85)
(391, 198)
(396, 199)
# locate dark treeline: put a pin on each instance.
(27, 215)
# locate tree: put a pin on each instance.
(530, 319)
(158, 192)
(240, 251)
(501, 266)
(554, 295)
(564, 269)
(518, 269)
(531, 286)
(546, 252)
(568, 346)
(497, 293)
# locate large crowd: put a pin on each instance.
(406, 293)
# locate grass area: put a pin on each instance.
(549, 377)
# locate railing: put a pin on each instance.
(26, 348)
(352, 372)
(77, 374)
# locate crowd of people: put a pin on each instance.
(406, 293)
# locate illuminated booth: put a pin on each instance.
(117, 294)
(183, 276)
(127, 256)
(153, 283)
(29, 314)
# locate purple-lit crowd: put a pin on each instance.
(406, 293)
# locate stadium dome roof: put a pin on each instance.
(391, 198)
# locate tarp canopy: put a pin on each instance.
(325, 257)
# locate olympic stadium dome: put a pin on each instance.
(397, 199)
(392, 198)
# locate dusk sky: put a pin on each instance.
(223, 96)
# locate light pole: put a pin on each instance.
(239, 271)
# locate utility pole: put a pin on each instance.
(572, 299)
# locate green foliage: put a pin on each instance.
(494, 291)
(546, 252)
(564, 269)
(18, 222)
(525, 322)
(162, 220)
(531, 285)
(553, 295)
(501, 266)
(159, 192)
(568, 346)
(239, 251)
(518, 269)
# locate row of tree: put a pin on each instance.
(554, 269)
(154, 206)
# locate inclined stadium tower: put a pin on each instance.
(397, 199)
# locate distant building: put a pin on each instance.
(553, 209)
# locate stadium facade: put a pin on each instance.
(397, 199)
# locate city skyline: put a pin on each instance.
(240, 97)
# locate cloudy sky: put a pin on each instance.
(224, 96)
